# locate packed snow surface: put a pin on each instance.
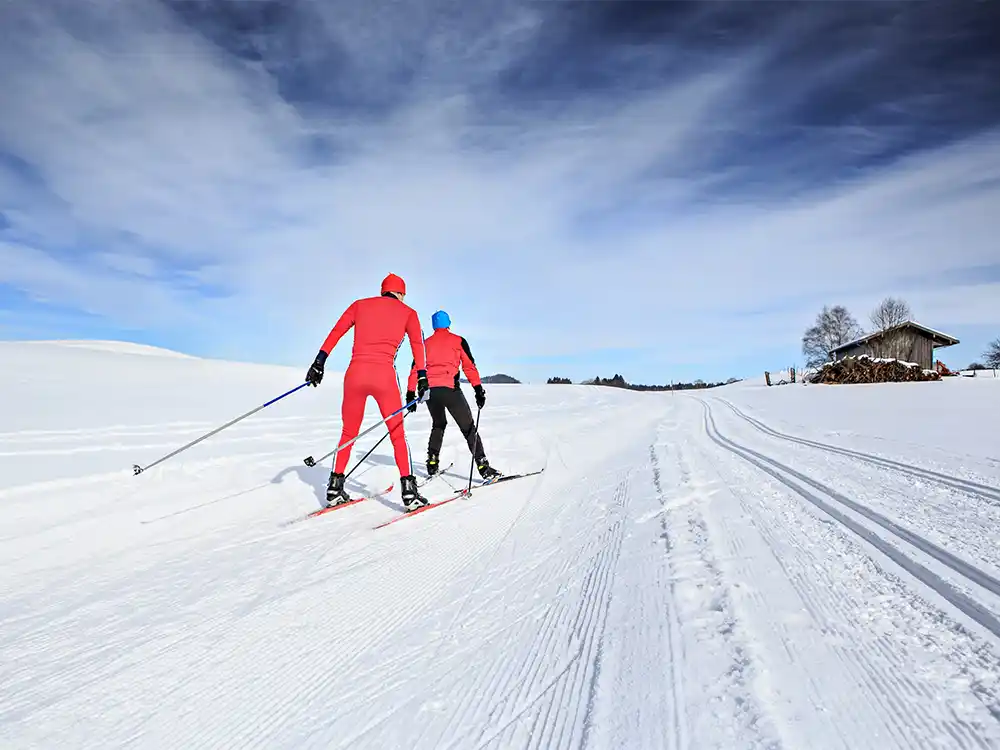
(799, 566)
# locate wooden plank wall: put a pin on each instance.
(906, 346)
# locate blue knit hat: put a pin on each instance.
(440, 319)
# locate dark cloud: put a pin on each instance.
(289, 41)
(832, 89)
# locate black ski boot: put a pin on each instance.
(432, 464)
(487, 472)
(412, 499)
(335, 494)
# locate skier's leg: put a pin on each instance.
(439, 421)
(352, 412)
(462, 415)
(460, 410)
(386, 392)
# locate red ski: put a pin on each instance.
(459, 494)
(355, 501)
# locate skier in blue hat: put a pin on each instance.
(446, 354)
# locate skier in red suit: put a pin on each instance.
(446, 352)
(379, 326)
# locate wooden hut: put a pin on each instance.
(907, 342)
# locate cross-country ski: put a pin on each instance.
(466, 493)
(354, 501)
(340, 506)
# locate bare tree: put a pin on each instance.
(891, 344)
(834, 327)
(890, 312)
(991, 356)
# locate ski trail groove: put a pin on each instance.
(723, 708)
(982, 491)
(550, 730)
(678, 739)
(960, 600)
(552, 698)
(877, 673)
(498, 678)
(530, 662)
(374, 680)
(448, 631)
(958, 520)
(496, 667)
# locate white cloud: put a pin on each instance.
(170, 164)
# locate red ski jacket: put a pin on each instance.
(379, 326)
(446, 353)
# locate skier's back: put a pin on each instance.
(446, 354)
(380, 324)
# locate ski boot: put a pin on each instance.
(432, 464)
(412, 499)
(487, 472)
(335, 494)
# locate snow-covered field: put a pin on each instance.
(745, 567)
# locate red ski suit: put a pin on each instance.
(379, 326)
(446, 352)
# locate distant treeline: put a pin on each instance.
(619, 382)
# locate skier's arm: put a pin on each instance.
(315, 375)
(411, 387)
(411, 382)
(342, 326)
(469, 365)
(416, 337)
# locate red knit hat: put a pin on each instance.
(392, 283)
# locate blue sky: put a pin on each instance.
(665, 190)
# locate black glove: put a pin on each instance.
(422, 384)
(480, 397)
(411, 399)
(315, 375)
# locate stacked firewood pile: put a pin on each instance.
(865, 369)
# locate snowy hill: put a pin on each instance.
(747, 567)
(116, 347)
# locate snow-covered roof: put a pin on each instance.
(939, 339)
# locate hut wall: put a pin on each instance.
(906, 345)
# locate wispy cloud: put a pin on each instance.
(566, 179)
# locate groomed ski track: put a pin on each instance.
(685, 574)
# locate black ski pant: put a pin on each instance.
(444, 400)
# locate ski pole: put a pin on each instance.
(475, 441)
(139, 469)
(310, 461)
